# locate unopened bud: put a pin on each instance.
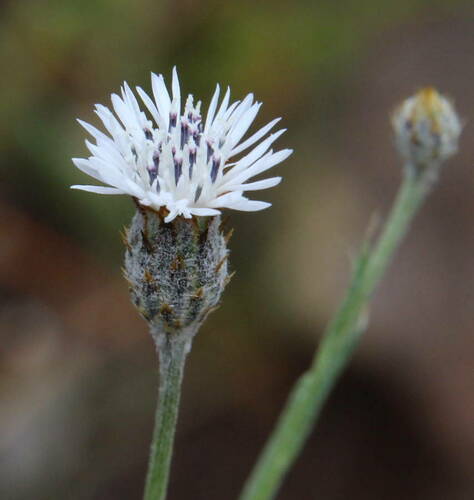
(177, 271)
(427, 129)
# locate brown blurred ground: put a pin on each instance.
(77, 369)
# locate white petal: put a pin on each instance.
(243, 124)
(265, 163)
(252, 157)
(255, 186)
(99, 189)
(254, 138)
(110, 173)
(131, 101)
(241, 108)
(204, 211)
(153, 199)
(162, 98)
(111, 123)
(122, 111)
(226, 199)
(150, 106)
(85, 166)
(251, 205)
(172, 215)
(176, 91)
(223, 106)
(106, 152)
(133, 189)
(97, 134)
(212, 109)
(231, 109)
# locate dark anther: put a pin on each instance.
(184, 134)
(209, 152)
(173, 119)
(134, 152)
(198, 193)
(152, 172)
(215, 168)
(156, 160)
(197, 138)
(178, 169)
(148, 134)
(192, 161)
(192, 156)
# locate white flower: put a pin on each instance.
(177, 160)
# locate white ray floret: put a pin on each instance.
(172, 158)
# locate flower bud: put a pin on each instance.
(177, 271)
(427, 129)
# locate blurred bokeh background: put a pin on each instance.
(78, 370)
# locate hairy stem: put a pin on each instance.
(172, 351)
(339, 340)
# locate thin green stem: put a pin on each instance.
(339, 340)
(172, 352)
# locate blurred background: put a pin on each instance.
(78, 372)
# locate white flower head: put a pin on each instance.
(174, 158)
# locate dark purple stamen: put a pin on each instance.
(148, 134)
(210, 150)
(178, 169)
(156, 159)
(152, 172)
(192, 156)
(197, 138)
(198, 193)
(215, 168)
(192, 160)
(173, 119)
(184, 134)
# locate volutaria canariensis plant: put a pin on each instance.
(181, 169)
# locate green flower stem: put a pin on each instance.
(340, 338)
(172, 351)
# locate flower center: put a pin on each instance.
(185, 149)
